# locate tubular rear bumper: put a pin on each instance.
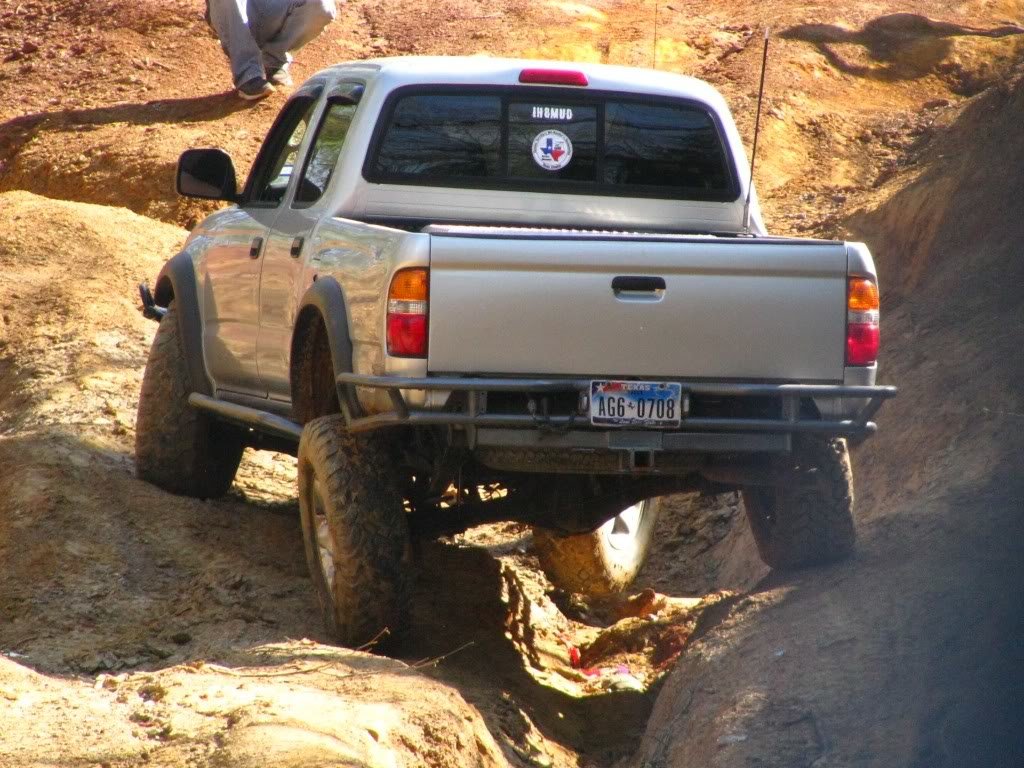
(539, 429)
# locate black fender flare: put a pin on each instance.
(326, 298)
(177, 281)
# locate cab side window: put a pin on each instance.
(326, 149)
(275, 164)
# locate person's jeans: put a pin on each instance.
(258, 35)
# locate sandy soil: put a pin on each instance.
(136, 627)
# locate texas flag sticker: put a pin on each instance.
(552, 150)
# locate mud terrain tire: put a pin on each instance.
(355, 530)
(178, 448)
(810, 522)
(600, 563)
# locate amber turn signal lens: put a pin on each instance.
(863, 295)
(409, 285)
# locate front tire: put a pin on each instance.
(178, 448)
(355, 531)
(603, 562)
(808, 522)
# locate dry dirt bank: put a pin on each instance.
(116, 598)
(906, 656)
(909, 655)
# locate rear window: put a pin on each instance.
(545, 141)
(442, 137)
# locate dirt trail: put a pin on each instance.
(139, 627)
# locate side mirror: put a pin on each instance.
(208, 174)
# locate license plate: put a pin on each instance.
(636, 403)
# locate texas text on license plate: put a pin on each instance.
(636, 403)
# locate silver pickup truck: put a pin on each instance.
(469, 290)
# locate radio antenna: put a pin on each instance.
(654, 51)
(757, 131)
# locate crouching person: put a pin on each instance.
(258, 37)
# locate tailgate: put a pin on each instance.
(630, 306)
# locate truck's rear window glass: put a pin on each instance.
(663, 146)
(548, 140)
(443, 137)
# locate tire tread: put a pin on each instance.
(177, 448)
(368, 527)
(811, 524)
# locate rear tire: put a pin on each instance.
(811, 521)
(603, 562)
(177, 447)
(355, 531)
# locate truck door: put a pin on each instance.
(289, 242)
(230, 272)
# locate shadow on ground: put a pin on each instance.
(906, 45)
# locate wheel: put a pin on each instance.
(809, 522)
(355, 531)
(177, 447)
(603, 562)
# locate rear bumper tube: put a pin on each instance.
(859, 425)
(572, 435)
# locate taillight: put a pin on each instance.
(407, 313)
(861, 321)
(553, 77)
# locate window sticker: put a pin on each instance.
(552, 150)
(551, 113)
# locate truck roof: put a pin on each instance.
(484, 70)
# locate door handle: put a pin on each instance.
(637, 284)
(255, 248)
(297, 244)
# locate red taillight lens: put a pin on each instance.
(553, 77)
(861, 321)
(407, 313)
(861, 343)
(407, 335)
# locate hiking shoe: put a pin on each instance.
(257, 88)
(280, 77)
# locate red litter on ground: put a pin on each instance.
(574, 657)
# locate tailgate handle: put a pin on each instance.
(637, 284)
